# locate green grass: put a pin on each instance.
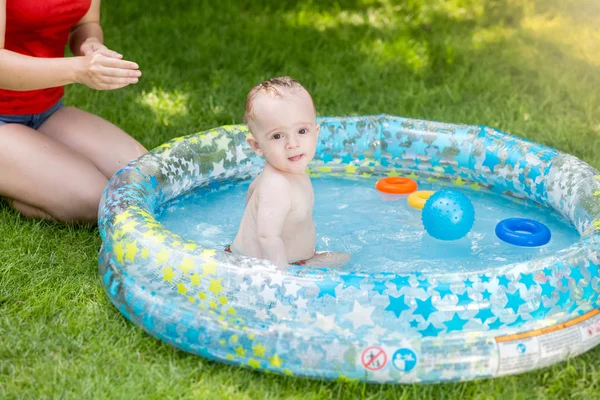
(531, 70)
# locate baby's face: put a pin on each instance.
(285, 130)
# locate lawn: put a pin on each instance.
(532, 70)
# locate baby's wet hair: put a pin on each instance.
(274, 87)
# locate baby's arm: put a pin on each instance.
(273, 205)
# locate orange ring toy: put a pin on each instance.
(396, 185)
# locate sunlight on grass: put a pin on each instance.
(165, 105)
(577, 40)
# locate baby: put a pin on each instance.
(277, 224)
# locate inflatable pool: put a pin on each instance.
(382, 326)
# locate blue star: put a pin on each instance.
(496, 324)
(414, 323)
(443, 288)
(456, 323)
(148, 322)
(351, 280)
(548, 272)
(191, 335)
(560, 267)
(517, 322)
(547, 289)
(419, 147)
(576, 274)
(594, 272)
(464, 299)
(401, 281)
(491, 160)
(424, 308)
(171, 331)
(484, 278)
(347, 158)
(468, 283)
(541, 311)
(564, 282)
(397, 305)
(424, 284)
(484, 314)
(534, 172)
(503, 281)
(430, 330)
(379, 287)
(327, 286)
(434, 161)
(547, 156)
(384, 161)
(326, 157)
(588, 292)
(563, 298)
(514, 301)
(442, 141)
(527, 280)
(486, 295)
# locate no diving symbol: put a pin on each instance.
(373, 358)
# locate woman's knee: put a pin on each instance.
(80, 206)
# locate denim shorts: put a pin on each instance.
(33, 121)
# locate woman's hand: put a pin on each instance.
(93, 45)
(100, 69)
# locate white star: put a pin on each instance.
(303, 318)
(326, 323)
(223, 142)
(301, 303)
(310, 358)
(291, 289)
(244, 286)
(276, 279)
(206, 140)
(262, 314)
(360, 315)
(218, 168)
(375, 333)
(191, 167)
(257, 280)
(229, 155)
(281, 311)
(268, 294)
(239, 153)
(335, 351)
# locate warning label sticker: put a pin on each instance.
(545, 346)
(373, 358)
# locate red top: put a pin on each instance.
(38, 28)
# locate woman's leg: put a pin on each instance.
(45, 179)
(102, 143)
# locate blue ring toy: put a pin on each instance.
(523, 232)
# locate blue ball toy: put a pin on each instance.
(448, 215)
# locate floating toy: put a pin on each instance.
(448, 215)
(396, 185)
(417, 199)
(523, 232)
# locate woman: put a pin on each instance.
(55, 161)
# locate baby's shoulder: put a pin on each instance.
(271, 181)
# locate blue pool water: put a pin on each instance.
(381, 232)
